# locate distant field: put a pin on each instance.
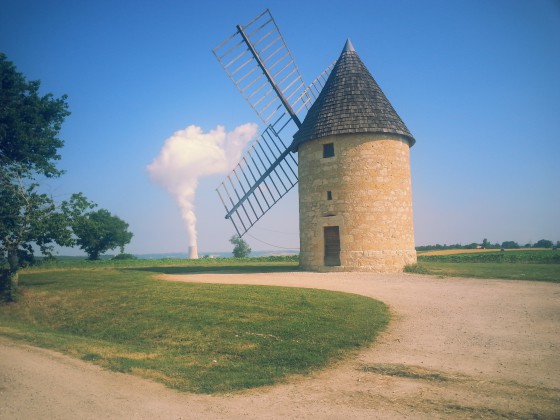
(526, 264)
(536, 272)
(472, 251)
(178, 265)
(532, 256)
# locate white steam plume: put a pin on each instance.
(189, 154)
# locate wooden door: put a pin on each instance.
(332, 245)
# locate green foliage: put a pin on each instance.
(27, 219)
(194, 337)
(415, 268)
(241, 248)
(99, 231)
(439, 247)
(510, 245)
(76, 207)
(29, 126)
(543, 243)
(124, 256)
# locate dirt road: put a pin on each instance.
(460, 348)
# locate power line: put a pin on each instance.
(275, 231)
(266, 243)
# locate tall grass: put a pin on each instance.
(193, 337)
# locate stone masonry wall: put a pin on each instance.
(369, 181)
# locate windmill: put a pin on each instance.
(355, 194)
(259, 63)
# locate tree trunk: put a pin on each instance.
(13, 259)
(9, 278)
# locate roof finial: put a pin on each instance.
(348, 47)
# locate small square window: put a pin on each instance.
(328, 150)
(329, 195)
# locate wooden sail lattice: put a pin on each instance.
(258, 61)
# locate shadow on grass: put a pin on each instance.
(222, 269)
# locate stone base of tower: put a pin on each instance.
(370, 261)
(356, 204)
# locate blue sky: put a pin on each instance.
(476, 82)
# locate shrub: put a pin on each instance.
(124, 257)
(415, 268)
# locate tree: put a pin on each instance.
(510, 245)
(29, 123)
(241, 248)
(99, 231)
(27, 218)
(543, 243)
(29, 126)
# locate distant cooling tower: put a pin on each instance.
(193, 252)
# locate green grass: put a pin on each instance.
(266, 264)
(193, 337)
(514, 257)
(543, 265)
(540, 272)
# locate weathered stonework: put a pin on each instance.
(371, 202)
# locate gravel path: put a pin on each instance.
(462, 348)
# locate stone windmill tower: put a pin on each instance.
(354, 176)
(354, 164)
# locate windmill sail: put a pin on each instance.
(258, 61)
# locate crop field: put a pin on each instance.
(476, 251)
(455, 251)
(494, 256)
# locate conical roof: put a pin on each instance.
(350, 102)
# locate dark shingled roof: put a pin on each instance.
(350, 102)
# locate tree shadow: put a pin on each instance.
(222, 269)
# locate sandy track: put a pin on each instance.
(462, 348)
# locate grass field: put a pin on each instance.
(193, 337)
(454, 252)
(218, 338)
(477, 251)
(272, 263)
(539, 272)
(543, 265)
